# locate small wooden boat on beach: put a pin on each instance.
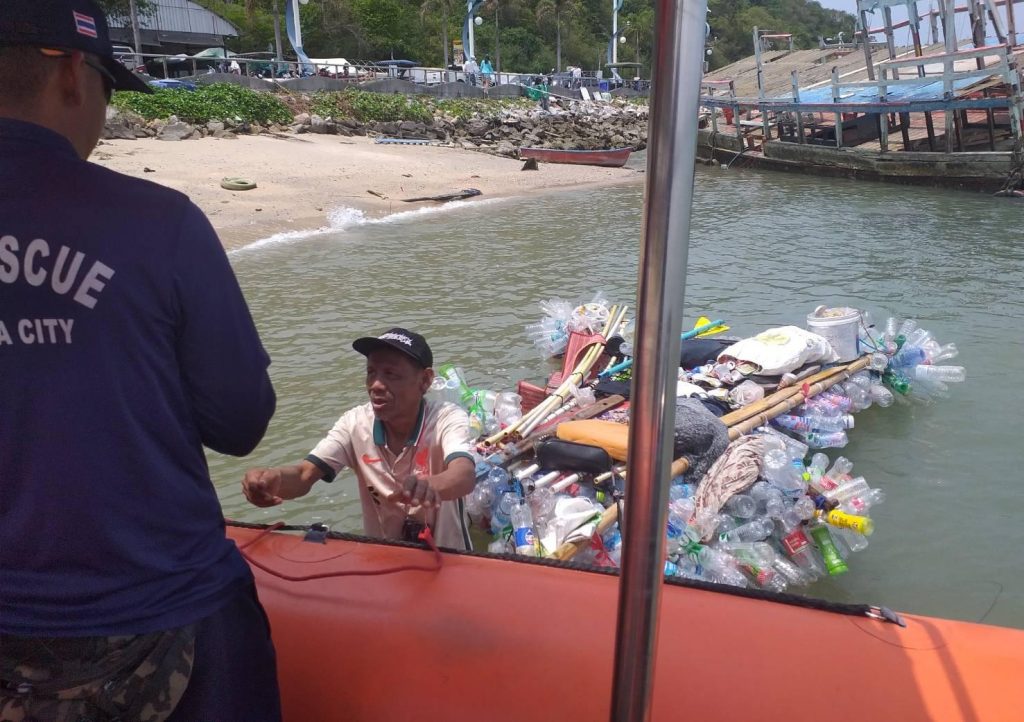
(608, 158)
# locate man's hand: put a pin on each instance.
(418, 491)
(262, 487)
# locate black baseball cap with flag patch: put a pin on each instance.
(66, 25)
(400, 339)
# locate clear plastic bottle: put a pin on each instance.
(892, 325)
(754, 530)
(836, 475)
(798, 547)
(879, 361)
(881, 396)
(795, 449)
(741, 506)
(814, 422)
(717, 565)
(522, 529)
(943, 353)
(794, 575)
(861, 503)
(848, 541)
(826, 439)
(859, 396)
(946, 374)
(501, 513)
(779, 471)
(849, 489)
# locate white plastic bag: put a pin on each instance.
(778, 350)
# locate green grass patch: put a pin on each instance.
(465, 108)
(365, 106)
(219, 101)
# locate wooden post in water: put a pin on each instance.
(1016, 122)
(977, 16)
(714, 114)
(890, 44)
(794, 78)
(869, 65)
(736, 112)
(915, 33)
(835, 99)
(949, 38)
(883, 118)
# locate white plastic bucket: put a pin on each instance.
(838, 326)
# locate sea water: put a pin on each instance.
(766, 249)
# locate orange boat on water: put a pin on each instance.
(483, 637)
(371, 630)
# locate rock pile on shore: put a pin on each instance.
(580, 126)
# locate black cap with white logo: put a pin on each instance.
(65, 25)
(400, 339)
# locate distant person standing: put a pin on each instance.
(470, 68)
(487, 70)
(126, 346)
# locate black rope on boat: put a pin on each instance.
(854, 610)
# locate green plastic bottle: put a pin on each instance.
(456, 383)
(833, 561)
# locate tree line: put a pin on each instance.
(519, 35)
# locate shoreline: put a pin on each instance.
(302, 181)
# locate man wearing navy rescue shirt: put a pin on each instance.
(125, 347)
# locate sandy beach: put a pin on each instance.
(301, 179)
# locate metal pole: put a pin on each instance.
(497, 42)
(133, 10)
(277, 35)
(678, 50)
(757, 62)
(615, 31)
(1011, 24)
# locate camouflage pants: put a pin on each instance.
(94, 679)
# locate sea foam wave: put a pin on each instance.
(344, 217)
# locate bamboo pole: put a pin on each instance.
(737, 428)
(787, 404)
(537, 414)
(734, 417)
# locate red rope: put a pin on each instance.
(426, 536)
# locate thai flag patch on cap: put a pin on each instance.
(85, 24)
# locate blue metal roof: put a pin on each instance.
(929, 89)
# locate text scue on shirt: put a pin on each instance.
(36, 267)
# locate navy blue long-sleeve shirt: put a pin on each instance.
(125, 347)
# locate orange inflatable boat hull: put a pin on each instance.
(486, 638)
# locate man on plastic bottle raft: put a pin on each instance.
(411, 455)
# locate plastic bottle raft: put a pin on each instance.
(753, 501)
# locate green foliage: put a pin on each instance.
(732, 23)
(463, 108)
(220, 101)
(529, 35)
(363, 106)
(384, 107)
